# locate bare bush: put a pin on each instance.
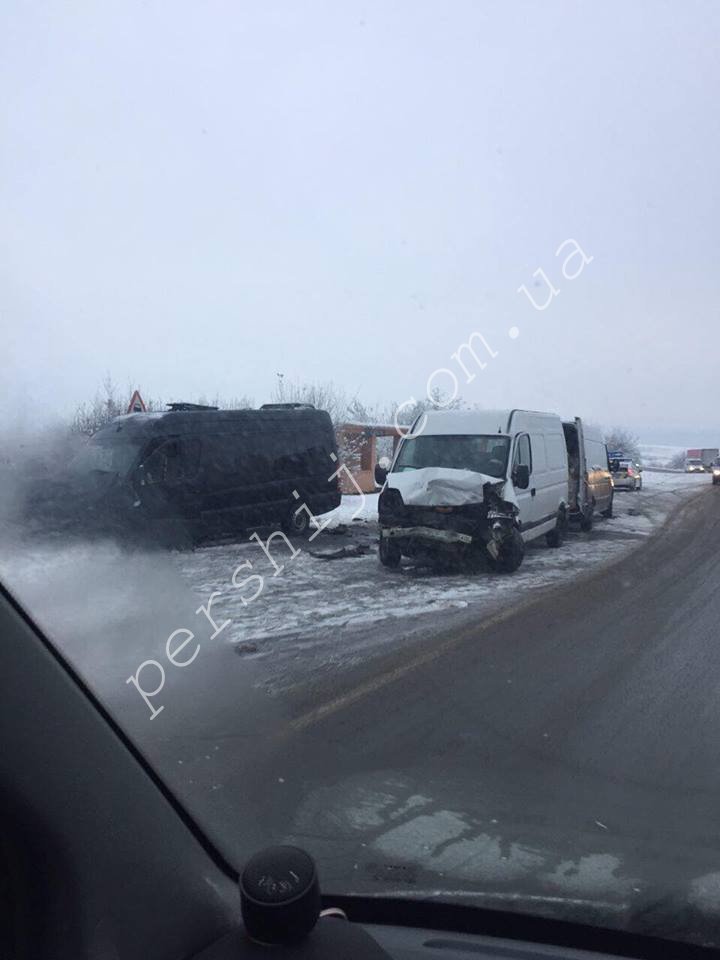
(677, 462)
(107, 404)
(621, 439)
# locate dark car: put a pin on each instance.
(197, 472)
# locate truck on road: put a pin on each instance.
(700, 459)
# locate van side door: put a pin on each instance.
(167, 478)
(553, 485)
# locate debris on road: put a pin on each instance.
(241, 648)
(357, 550)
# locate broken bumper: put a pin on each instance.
(426, 533)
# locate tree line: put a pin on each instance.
(344, 407)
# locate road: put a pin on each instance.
(551, 743)
(563, 755)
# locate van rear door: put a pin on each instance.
(584, 496)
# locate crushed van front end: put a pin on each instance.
(459, 531)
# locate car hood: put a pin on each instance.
(444, 487)
(377, 835)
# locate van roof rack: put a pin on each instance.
(190, 406)
(288, 406)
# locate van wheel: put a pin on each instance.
(555, 537)
(609, 511)
(510, 553)
(389, 552)
(587, 520)
(296, 522)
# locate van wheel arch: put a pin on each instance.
(511, 553)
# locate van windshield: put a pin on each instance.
(107, 455)
(483, 454)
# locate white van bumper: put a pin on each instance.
(426, 533)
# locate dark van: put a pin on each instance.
(207, 472)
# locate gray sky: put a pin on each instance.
(195, 196)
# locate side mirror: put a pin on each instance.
(521, 476)
(380, 475)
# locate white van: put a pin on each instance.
(487, 481)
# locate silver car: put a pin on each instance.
(626, 474)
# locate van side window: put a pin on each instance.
(523, 453)
(173, 461)
(157, 467)
(597, 458)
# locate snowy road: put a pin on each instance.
(455, 734)
(337, 613)
(313, 614)
(562, 757)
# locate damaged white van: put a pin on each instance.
(476, 483)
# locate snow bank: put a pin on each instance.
(353, 509)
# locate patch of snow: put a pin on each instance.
(354, 508)
(593, 876)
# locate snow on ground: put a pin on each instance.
(310, 612)
(658, 454)
(312, 604)
(353, 509)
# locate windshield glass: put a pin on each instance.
(483, 454)
(107, 455)
(269, 238)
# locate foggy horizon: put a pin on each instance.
(198, 199)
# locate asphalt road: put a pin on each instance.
(563, 756)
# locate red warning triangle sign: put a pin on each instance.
(137, 404)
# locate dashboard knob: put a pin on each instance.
(280, 895)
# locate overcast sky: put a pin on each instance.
(197, 196)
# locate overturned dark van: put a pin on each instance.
(195, 472)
